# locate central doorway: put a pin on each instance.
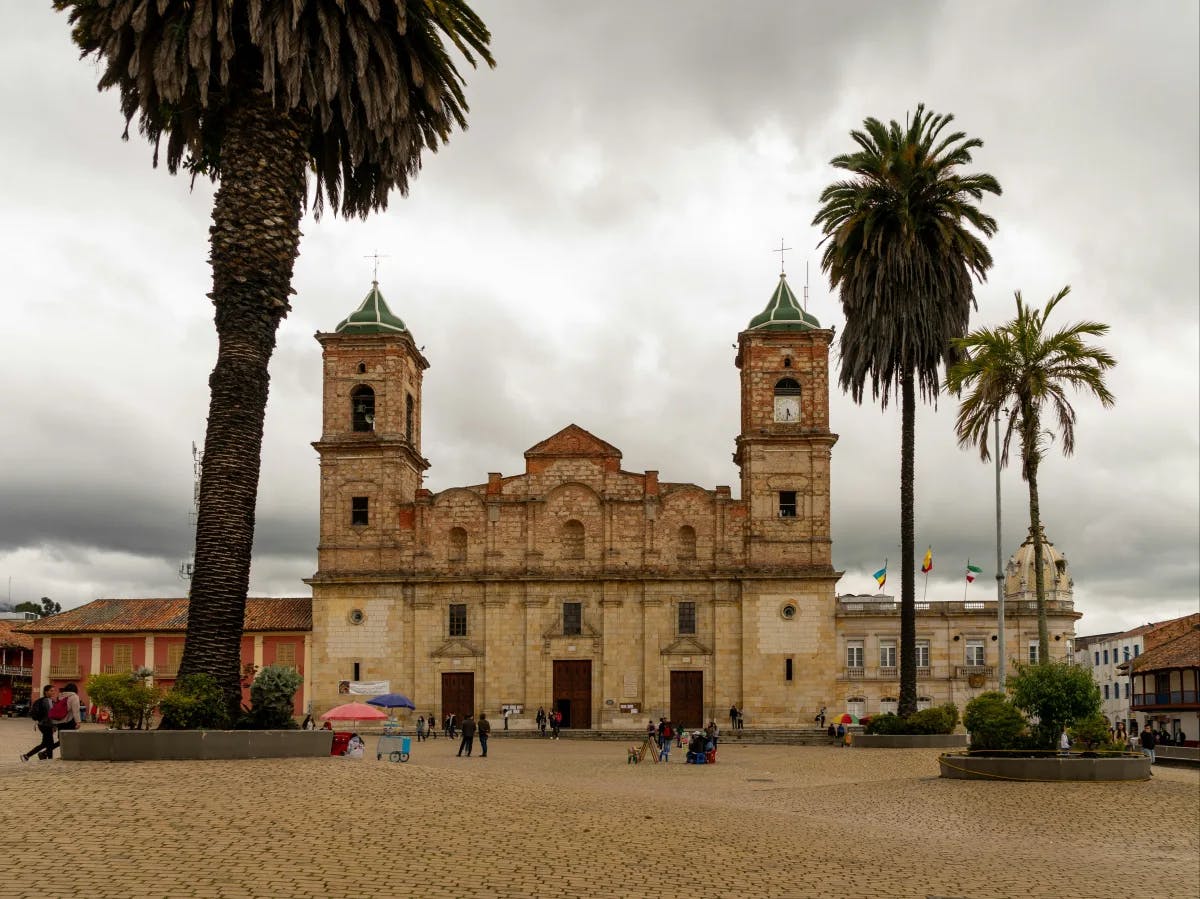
(458, 695)
(687, 698)
(573, 693)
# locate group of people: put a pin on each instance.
(52, 712)
(552, 720)
(425, 728)
(666, 732)
(737, 718)
(838, 734)
(472, 728)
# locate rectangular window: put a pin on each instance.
(888, 706)
(1127, 689)
(787, 503)
(1137, 650)
(458, 619)
(68, 656)
(1097, 657)
(285, 655)
(922, 653)
(887, 653)
(357, 671)
(1106, 691)
(854, 654)
(360, 510)
(1106, 657)
(1126, 653)
(787, 669)
(975, 652)
(122, 658)
(687, 618)
(174, 656)
(572, 618)
(1033, 653)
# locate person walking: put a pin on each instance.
(741, 722)
(733, 717)
(820, 719)
(484, 730)
(40, 713)
(505, 715)
(1147, 740)
(841, 734)
(468, 736)
(421, 729)
(541, 721)
(555, 723)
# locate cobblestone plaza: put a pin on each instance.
(571, 818)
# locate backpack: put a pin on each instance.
(59, 710)
(40, 710)
(667, 732)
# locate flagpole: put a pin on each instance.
(966, 583)
(999, 571)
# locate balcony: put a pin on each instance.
(69, 671)
(966, 672)
(1172, 698)
(117, 669)
(167, 671)
(857, 673)
(888, 672)
(16, 670)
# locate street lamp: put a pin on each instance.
(999, 562)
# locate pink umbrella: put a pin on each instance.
(354, 711)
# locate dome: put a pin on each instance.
(1019, 579)
(372, 317)
(783, 313)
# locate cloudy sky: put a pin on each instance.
(588, 251)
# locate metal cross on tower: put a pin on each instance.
(375, 273)
(780, 251)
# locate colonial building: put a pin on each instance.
(614, 595)
(1107, 657)
(112, 636)
(16, 663)
(1166, 678)
(958, 643)
(607, 594)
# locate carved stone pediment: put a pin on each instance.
(456, 648)
(573, 442)
(555, 632)
(687, 646)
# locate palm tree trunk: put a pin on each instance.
(255, 238)
(1039, 578)
(908, 608)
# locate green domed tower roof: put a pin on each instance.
(783, 313)
(372, 317)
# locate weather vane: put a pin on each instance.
(375, 273)
(780, 251)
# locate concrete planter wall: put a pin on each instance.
(155, 745)
(910, 741)
(1046, 768)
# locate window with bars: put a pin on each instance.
(122, 658)
(687, 618)
(572, 618)
(458, 620)
(285, 655)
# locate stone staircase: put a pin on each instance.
(798, 736)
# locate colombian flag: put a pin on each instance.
(881, 575)
(927, 565)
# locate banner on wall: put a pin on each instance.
(364, 687)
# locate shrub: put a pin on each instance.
(938, 720)
(196, 703)
(885, 724)
(128, 698)
(271, 697)
(1055, 695)
(994, 722)
(1091, 733)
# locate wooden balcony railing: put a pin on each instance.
(118, 669)
(65, 672)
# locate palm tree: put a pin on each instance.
(900, 247)
(1018, 370)
(256, 94)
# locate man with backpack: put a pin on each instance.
(39, 711)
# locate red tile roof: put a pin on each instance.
(1182, 652)
(140, 615)
(13, 639)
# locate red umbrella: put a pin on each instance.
(844, 718)
(354, 711)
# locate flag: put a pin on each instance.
(927, 565)
(881, 575)
(972, 570)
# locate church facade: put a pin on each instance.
(611, 595)
(607, 594)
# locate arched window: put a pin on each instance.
(362, 408)
(857, 706)
(787, 401)
(408, 418)
(458, 545)
(687, 542)
(572, 540)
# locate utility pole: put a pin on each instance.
(999, 566)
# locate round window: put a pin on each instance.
(357, 616)
(788, 611)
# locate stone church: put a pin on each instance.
(610, 595)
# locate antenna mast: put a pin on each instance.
(189, 565)
(805, 285)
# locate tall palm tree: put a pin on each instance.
(258, 95)
(1020, 371)
(900, 247)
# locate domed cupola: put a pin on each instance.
(372, 317)
(1019, 579)
(783, 313)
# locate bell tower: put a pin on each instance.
(785, 444)
(370, 444)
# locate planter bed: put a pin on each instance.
(1044, 767)
(155, 745)
(910, 741)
